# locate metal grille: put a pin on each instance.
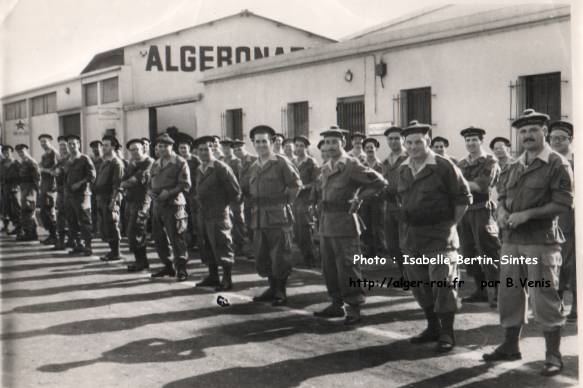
(350, 113)
(234, 123)
(416, 105)
(298, 122)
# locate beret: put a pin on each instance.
(203, 140)
(441, 139)
(262, 129)
(357, 134)
(372, 140)
(302, 139)
(94, 143)
(276, 135)
(498, 139)
(320, 144)
(473, 131)
(562, 124)
(78, 138)
(415, 127)
(18, 147)
(112, 139)
(392, 129)
(45, 135)
(333, 132)
(530, 116)
(7, 147)
(132, 141)
(146, 139)
(227, 141)
(288, 140)
(238, 143)
(165, 139)
(184, 140)
(62, 138)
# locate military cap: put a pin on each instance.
(112, 139)
(7, 147)
(132, 141)
(392, 129)
(94, 143)
(146, 139)
(203, 139)
(357, 134)
(302, 139)
(499, 139)
(372, 140)
(530, 116)
(415, 127)
(78, 138)
(473, 131)
(227, 141)
(165, 139)
(45, 135)
(184, 140)
(238, 143)
(562, 124)
(441, 139)
(276, 135)
(320, 144)
(333, 132)
(287, 140)
(262, 129)
(62, 138)
(19, 147)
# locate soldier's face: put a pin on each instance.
(370, 149)
(277, 143)
(334, 146)
(395, 141)
(164, 149)
(44, 143)
(324, 154)
(63, 148)
(288, 148)
(532, 137)
(136, 151)
(357, 142)
(417, 145)
(500, 150)
(107, 147)
(439, 148)
(227, 150)
(73, 145)
(560, 141)
(262, 144)
(473, 144)
(238, 151)
(300, 148)
(21, 154)
(97, 150)
(7, 153)
(204, 152)
(184, 150)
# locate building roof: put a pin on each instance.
(440, 28)
(116, 56)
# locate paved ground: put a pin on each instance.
(78, 322)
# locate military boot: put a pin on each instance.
(553, 362)
(268, 294)
(431, 333)
(212, 280)
(509, 349)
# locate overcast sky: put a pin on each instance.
(43, 41)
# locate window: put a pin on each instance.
(350, 113)
(541, 92)
(416, 105)
(44, 104)
(90, 91)
(298, 122)
(109, 91)
(15, 110)
(234, 123)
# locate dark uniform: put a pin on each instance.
(309, 172)
(135, 182)
(61, 224)
(11, 193)
(29, 185)
(237, 210)
(170, 220)
(246, 163)
(94, 213)
(191, 206)
(48, 194)
(217, 188)
(372, 212)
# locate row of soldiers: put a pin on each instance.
(418, 201)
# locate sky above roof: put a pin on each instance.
(44, 41)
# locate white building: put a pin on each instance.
(451, 66)
(142, 88)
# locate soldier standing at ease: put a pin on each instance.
(11, 190)
(273, 184)
(357, 151)
(185, 150)
(391, 164)
(433, 197)
(80, 175)
(135, 185)
(478, 231)
(29, 184)
(343, 177)
(217, 188)
(537, 188)
(501, 148)
(59, 174)
(561, 138)
(237, 210)
(48, 189)
(108, 197)
(309, 172)
(170, 179)
(96, 158)
(246, 161)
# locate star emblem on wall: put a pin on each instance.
(20, 125)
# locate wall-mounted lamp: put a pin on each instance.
(67, 90)
(380, 70)
(348, 76)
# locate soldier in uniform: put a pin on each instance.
(29, 184)
(80, 175)
(108, 195)
(537, 188)
(135, 185)
(170, 179)
(59, 174)
(372, 209)
(185, 150)
(122, 221)
(345, 182)
(433, 197)
(3, 217)
(217, 188)
(309, 171)
(439, 145)
(277, 140)
(273, 184)
(561, 138)
(288, 149)
(48, 189)
(11, 189)
(237, 207)
(478, 231)
(357, 151)
(501, 148)
(96, 158)
(391, 164)
(217, 148)
(246, 161)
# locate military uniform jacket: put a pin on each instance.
(77, 169)
(109, 177)
(485, 172)
(243, 175)
(193, 164)
(217, 187)
(309, 171)
(339, 186)
(48, 161)
(548, 178)
(29, 175)
(138, 190)
(168, 175)
(269, 187)
(11, 174)
(426, 203)
(391, 174)
(60, 171)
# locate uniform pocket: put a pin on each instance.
(276, 216)
(181, 220)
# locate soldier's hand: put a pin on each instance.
(517, 219)
(354, 205)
